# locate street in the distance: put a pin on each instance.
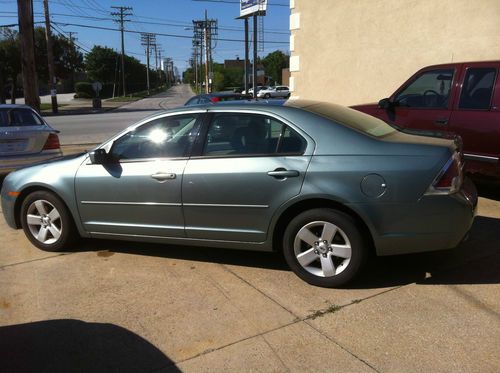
(96, 128)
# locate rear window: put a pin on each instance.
(18, 117)
(352, 118)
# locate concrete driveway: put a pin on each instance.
(132, 307)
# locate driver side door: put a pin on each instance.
(137, 193)
(425, 102)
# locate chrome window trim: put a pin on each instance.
(224, 205)
(481, 158)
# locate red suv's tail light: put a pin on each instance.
(449, 179)
(215, 99)
(52, 142)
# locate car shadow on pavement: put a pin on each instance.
(476, 261)
(72, 345)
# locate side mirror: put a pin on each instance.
(385, 104)
(99, 156)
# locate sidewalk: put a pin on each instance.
(175, 96)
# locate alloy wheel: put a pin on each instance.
(44, 222)
(322, 249)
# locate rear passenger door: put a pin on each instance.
(476, 115)
(246, 166)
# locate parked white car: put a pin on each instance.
(277, 91)
(250, 90)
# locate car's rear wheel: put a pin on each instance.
(46, 221)
(324, 247)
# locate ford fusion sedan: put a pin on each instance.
(325, 185)
(25, 138)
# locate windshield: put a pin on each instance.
(351, 118)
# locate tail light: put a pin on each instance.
(449, 179)
(52, 142)
(215, 99)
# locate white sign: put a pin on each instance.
(249, 7)
(97, 86)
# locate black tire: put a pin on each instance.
(321, 222)
(60, 221)
(267, 96)
(287, 96)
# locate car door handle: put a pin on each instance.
(441, 122)
(281, 173)
(163, 176)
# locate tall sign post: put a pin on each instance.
(252, 8)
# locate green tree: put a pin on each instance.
(101, 63)
(10, 67)
(67, 58)
(274, 62)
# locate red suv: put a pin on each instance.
(457, 98)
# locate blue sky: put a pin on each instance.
(158, 16)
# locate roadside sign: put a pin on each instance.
(97, 86)
(250, 7)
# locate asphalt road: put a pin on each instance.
(95, 128)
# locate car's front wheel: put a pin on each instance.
(46, 221)
(267, 95)
(324, 247)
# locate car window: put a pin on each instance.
(431, 89)
(478, 88)
(18, 117)
(166, 137)
(193, 101)
(352, 118)
(234, 134)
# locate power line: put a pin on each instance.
(236, 2)
(164, 34)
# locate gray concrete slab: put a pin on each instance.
(424, 328)
(294, 348)
(198, 309)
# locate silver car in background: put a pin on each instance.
(25, 138)
(279, 91)
(325, 185)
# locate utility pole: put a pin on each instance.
(121, 14)
(254, 67)
(26, 29)
(72, 43)
(147, 40)
(160, 70)
(207, 86)
(246, 56)
(50, 58)
(204, 31)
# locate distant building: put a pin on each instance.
(352, 52)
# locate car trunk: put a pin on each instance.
(23, 140)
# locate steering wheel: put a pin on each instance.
(429, 102)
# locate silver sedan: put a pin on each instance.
(25, 138)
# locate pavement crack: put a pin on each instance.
(261, 292)
(275, 353)
(236, 342)
(34, 260)
(308, 323)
